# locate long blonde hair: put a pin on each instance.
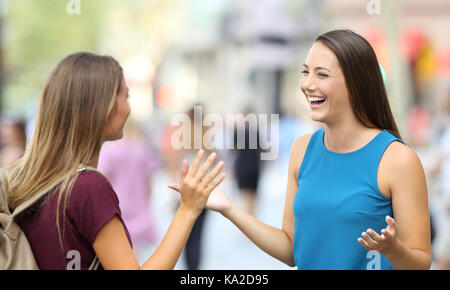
(75, 105)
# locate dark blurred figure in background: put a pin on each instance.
(193, 249)
(13, 139)
(441, 169)
(247, 166)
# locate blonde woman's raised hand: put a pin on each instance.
(196, 184)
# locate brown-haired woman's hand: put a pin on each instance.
(384, 243)
(196, 184)
(218, 201)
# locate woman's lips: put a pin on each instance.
(316, 102)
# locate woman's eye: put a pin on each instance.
(323, 75)
(305, 72)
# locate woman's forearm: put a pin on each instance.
(271, 240)
(169, 250)
(403, 258)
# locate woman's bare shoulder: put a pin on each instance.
(400, 156)
(400, 165)
(298, 150)
(301, 143)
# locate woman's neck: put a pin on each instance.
(348, 137)
(94, 162)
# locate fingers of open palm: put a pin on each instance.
(184, 170)
(392, 225)
(387, 235)
(368, 243)
(211, 175)
(206, 166)
(371, 240)
(213, 184)
(199, 182)
(196, 164)
(391, 231)
(364, 244)
(175, 187)
(372, 244)
(375, 237)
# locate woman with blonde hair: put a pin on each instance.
(83, 104)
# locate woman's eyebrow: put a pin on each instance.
(317, 67)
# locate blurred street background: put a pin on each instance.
(231, 56)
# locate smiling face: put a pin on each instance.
(324, 86)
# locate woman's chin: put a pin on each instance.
(117, 137)
(317, 117)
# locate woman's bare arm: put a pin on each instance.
(406, 240)
(274, 241)
(115, 253)
(111, 244)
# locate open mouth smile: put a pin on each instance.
(316, 101)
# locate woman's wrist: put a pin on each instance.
(188, 212)
(395, 250)
(227, 213)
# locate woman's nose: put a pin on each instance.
(307, 84)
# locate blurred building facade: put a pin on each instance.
(411, 42)
(228, 54)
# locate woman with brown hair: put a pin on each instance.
(83, 104)
(348, 181)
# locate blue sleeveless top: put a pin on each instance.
(337, 200)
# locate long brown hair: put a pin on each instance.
(75, 104)
(363, 78)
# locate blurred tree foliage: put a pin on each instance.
(38, 34)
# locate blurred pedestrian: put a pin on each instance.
(129, 165)
(194, 245)
(442, 169)
(247, 165)
(12, 139)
